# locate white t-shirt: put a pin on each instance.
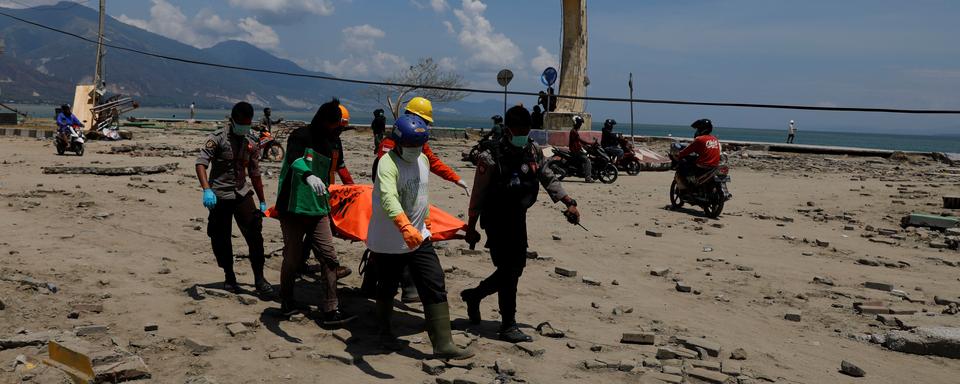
(792, 129)
(400, 186)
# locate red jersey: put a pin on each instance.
(708, 147)
(437, 166)
(575, 144)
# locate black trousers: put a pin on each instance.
(220, 229)
(425, 270)
(510, 261)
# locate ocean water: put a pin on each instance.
(922, 143)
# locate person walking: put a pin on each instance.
(399, 237)
(378, 126)
(791, 132)
(575, 144)
(504, 188)
(536, 118)
(193, 111)
(313, 157)
(267, 122)
(232, 155)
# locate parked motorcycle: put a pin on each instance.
(74, 145)
(563, 164)
(629, 162)
(270, 148)
(709, 191)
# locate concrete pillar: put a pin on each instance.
(573, 68)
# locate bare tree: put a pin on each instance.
(425, 72)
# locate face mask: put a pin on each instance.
(241, 129)
(519, 141)
(410, 154)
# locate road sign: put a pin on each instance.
(549, 76)
(504, 77)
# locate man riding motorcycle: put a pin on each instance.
(609, 140)
(706, 146)
(65, 120)
(576, 145)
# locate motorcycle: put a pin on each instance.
(270, 148)
(563, 164)
(709, 190)
(629, 162)
(474, 153)
(74, 145)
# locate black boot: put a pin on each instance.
(473, 305)
(387, 339)
(513, 334)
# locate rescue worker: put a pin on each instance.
(65, 120)
(232, 155)
(576, 144)
(378, 126)
(266, 123)
(399, 237)
(303, 204)
(504, 187)
(707, 148)
(423, 108)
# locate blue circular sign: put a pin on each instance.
(549, 76)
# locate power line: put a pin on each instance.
(488, 91)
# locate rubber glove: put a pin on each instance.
(463, 184)
(411, 235)
(263, 206)
(317, 185)
(209, 198)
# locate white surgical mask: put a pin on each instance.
(410, 154)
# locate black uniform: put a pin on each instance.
(507, 182)
(379, 126)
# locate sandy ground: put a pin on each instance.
(137, 244)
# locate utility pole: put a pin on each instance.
(630, 84)
(98, 76)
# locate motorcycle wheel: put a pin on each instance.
(274, 152)
(608, 174)
(633, 167)
(557, 170)
(715, 206)
(675, 201)
(60, 147)
(78, 149)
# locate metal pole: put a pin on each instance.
(630, 84)
(504, 101)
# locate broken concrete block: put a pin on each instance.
(432, 367)
(822, 243)
(27, 340)
(94, 308)
(247, 299)
(531, 349)
(691, 342)
(590, 281)
(654, 233)
(285, 354)
(642, 338)
(669, 353)
(738, 354)
(505, 367)
(151, 327)
(197, 346)
(88, 330)
(878, 286)
(823, 280)
(658, 377)
(683, 287)
(851, 369)
(793, 315)
(660, 271)
(237, 329)
(705, 364)
(547, 330)
(710, 376)
(343, 335)
(731, 368)
(930, 221)
(872, 309)
(937, 341)
(626, 365)
(565, 272)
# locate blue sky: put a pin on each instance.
(881, 53)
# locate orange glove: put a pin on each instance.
(411, 235)
(427, 222)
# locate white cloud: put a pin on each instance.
(205, 29)
(450, 29)
(285, 11)
(447, 63)
(544, 59)
(361, 37)
(22, 4)
(363, 57)
(439, 5)
(489, 49)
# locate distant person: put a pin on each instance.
(609, 140)
(266, 123)
(496, 132)
(193, 110)
(576, 144)
(542, 100)
(65, 120)
(536, 118)
(551, 100)
(791, 132)
(232, 155)
(379, 126)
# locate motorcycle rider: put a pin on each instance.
(609, 141)
(706, 146)
(232, 154)
(577, 151)
(399, 238)
(497, 131)
(422, 108)
(378, 126)
(266, 124)
(504, 187)
(65, 120)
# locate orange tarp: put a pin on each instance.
(351, 207)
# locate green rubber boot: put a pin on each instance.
(387, 339)
(438, 327)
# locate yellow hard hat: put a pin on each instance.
(421, 107)
(344, 116)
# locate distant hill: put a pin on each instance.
(41, 66)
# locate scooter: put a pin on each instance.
(75, 143)
(563, 164)
(629, 162)
(709, 190)
(270, 149)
